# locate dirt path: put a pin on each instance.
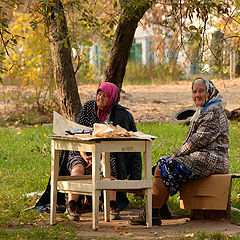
(121, 229)
(157, 103)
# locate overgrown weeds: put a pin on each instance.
(139, 74)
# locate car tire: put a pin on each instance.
(184, 115)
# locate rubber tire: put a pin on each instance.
(183, 115)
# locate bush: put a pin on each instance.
(138, 74)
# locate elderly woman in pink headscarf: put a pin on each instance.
(104, 108)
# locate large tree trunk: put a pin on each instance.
(132, 12)
(62, 62)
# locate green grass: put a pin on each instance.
(59, 232)
(25, 168)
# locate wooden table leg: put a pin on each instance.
(95, 204)
(54, 178)
(148, 193)
(106, 173)
(96, 155)
(147, 157)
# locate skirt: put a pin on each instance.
(173, 174)
(75, 158)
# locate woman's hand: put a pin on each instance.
(171, 157)
(88, 159)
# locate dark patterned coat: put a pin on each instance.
(205, 149)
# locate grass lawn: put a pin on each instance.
(25, 168)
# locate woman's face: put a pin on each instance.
(102, 99)
(199, 94)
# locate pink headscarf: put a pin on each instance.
(114, 97)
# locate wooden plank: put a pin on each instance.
(235, 175)
(73, 178)
(123, 146)
(78, 186)
(123, 184)
(82, 185)
(73, 146)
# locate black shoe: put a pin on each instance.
(115, 214)
(72, 211)
(141, 219)
(165, 212)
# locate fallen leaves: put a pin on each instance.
(119, 230)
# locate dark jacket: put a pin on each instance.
(129, 165)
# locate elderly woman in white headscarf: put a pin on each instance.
(204, 151)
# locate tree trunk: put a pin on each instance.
(123, 38)
(62, 62)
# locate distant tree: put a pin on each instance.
(184, 25)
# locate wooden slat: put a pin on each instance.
(73, 146)
(78, 186)
(123, 184)
(122, 146)
(73, 178)
(82, 185)
(235, 175)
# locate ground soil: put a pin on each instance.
(171, 228)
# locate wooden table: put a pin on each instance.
(95, 183)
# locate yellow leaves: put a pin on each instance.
(189, 235)
(120, 231)
(43, 150)
(237, 3)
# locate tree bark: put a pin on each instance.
(64, 75)
(123, 38)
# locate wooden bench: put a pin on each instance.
(209, 197)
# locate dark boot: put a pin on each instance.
(141, 219)
(165, 212)
(72, 211)
(114, 212)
